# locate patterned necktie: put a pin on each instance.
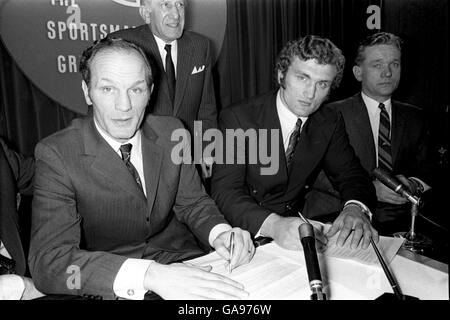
(170, 72)
(384, 140)
(125, 150)
(293, 140)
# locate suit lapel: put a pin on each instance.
(268, 119)
(152, 160)
(184, 62)
(307, 150)
(364, 134)
(107, 162)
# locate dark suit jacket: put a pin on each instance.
(409, 152)
(194, 94)
(246, 197)
(16, 176)
(89, 212)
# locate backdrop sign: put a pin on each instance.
(46, 37)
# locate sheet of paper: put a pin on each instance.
(268, 276)
(387, 246)
(276, 273)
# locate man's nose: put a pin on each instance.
(174, 12)
(310, 90)
(387, 72)
(123, 102)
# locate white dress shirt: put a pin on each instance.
(129, 281)
(174, 52)
(3, 251)
(374, 116)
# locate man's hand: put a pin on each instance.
(243, 247)
(384, 194)
(408, 183)
(184, 282)
(353, 220)
(284, 231)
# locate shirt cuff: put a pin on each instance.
(3, 251)
(218, 229)
(208, 160)
(424, 185)
(363, 207)
(12, 287)
(129, 281)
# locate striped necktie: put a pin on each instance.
(293, 140)
(125, 150)
(384, 140)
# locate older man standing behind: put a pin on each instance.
(183, 62)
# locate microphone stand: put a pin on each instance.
(414, 242)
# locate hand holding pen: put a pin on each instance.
(235, 246)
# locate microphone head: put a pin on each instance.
(385, 177)
(306, 230)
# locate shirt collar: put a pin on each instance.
(161, 44)
(135, 140)
(372, 104)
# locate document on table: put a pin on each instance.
(267, 276)
(276, 273)
(387, 246)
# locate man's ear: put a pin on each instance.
(151, 88)
(85, 88)
(144, 11)
(280, 79)
(357, 72)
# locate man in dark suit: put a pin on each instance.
(309, 138)
(16, 172)
(183, 80)
(377, 67)
(108, 226)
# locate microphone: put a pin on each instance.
(394, 184)
(308, 241)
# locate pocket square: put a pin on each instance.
(198, 70)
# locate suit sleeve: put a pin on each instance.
(22, 168)
(344, 169)
(207, 112)
(420, 162)
(57, 263)
(193, 206)
(229, 186)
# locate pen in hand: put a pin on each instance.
(231, 251)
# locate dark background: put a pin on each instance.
(256, 31)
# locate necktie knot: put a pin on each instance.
(168, 48)
(382, 107)
(125, 150)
